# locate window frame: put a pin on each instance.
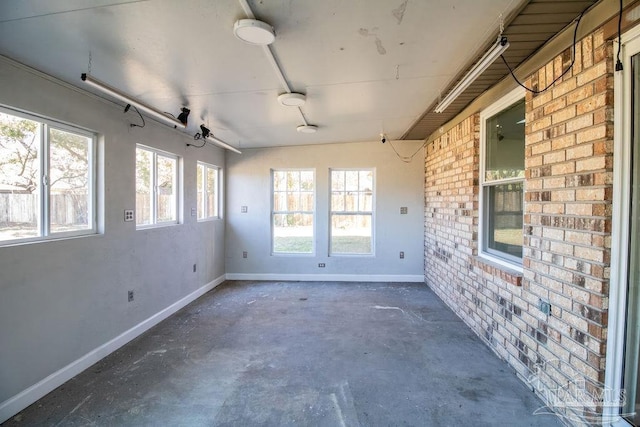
(515, 96)
(372, 213)
(44, 187)
(154, 223)
(218, 191)
(313, 213)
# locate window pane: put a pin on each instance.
(293, 233)
(337, 202)
(212, 192)
(366, 181)
(351, 181)
(280, 201)
(306, 180)
(337, 180)
(200, 190)
(165, 190)
(503, 211)
(70, 181)
(366, 202)
(279, 180)
(351, 234)
(306, 201)
(293, 201)
(19, 177)
(505, 144)
(293, 180)
(144, 170)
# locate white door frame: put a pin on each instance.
(620, 224)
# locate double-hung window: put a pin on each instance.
(156, 187)
(502, 179)
(208, 189)
(47, 179)
(352, 202)
(293, 211)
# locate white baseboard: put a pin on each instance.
(15, 404)
(413, 278)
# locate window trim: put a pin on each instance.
(218, 192)
(506, 260)
(372, 214)
(176, 184)
(313, 213)
(44, 193)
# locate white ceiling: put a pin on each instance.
(367, 66)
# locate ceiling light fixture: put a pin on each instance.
(307, 128)
(206, 134)
(254, 32)
(485, 62)
(110, 90)
(293, 99)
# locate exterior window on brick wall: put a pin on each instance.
(502, 131)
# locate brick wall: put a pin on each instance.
(567, 226)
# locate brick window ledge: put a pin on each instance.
(507, 274)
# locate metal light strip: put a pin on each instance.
(110, 90)
(485, 62)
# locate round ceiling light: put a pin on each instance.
(307, 129)
(293, 99)
(253, 31)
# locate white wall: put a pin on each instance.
(60, 300)
(397, 184)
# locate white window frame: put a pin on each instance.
(44, 232)
(616, 331)
(218, 190)
(503, 103)
(154, 188)
(372, 213)
(313, 213)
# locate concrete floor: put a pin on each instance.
(299, 353)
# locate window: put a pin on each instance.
(502, 178)
(156, 187)
(352, 195)
(47, 184)
(292, 217)
(208, 177)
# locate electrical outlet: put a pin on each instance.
(130, 296)
(193, 211)
(244, 209)
(128, 215)
(401, 254)
(245, 254)
(322, 265)
(194, 268)
(404, 210)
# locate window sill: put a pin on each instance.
(509, 275)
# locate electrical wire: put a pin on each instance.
(573, 60)
(618, 61)
(406, 159)
(196, 137)
(142, 118)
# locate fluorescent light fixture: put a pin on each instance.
(254, 32)
(485, 62)
(110, 90)
(221, 143)
(292, 99)
(307, 129)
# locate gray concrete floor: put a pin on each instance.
(299, 354)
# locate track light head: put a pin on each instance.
(204, 131)
(184, 115)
